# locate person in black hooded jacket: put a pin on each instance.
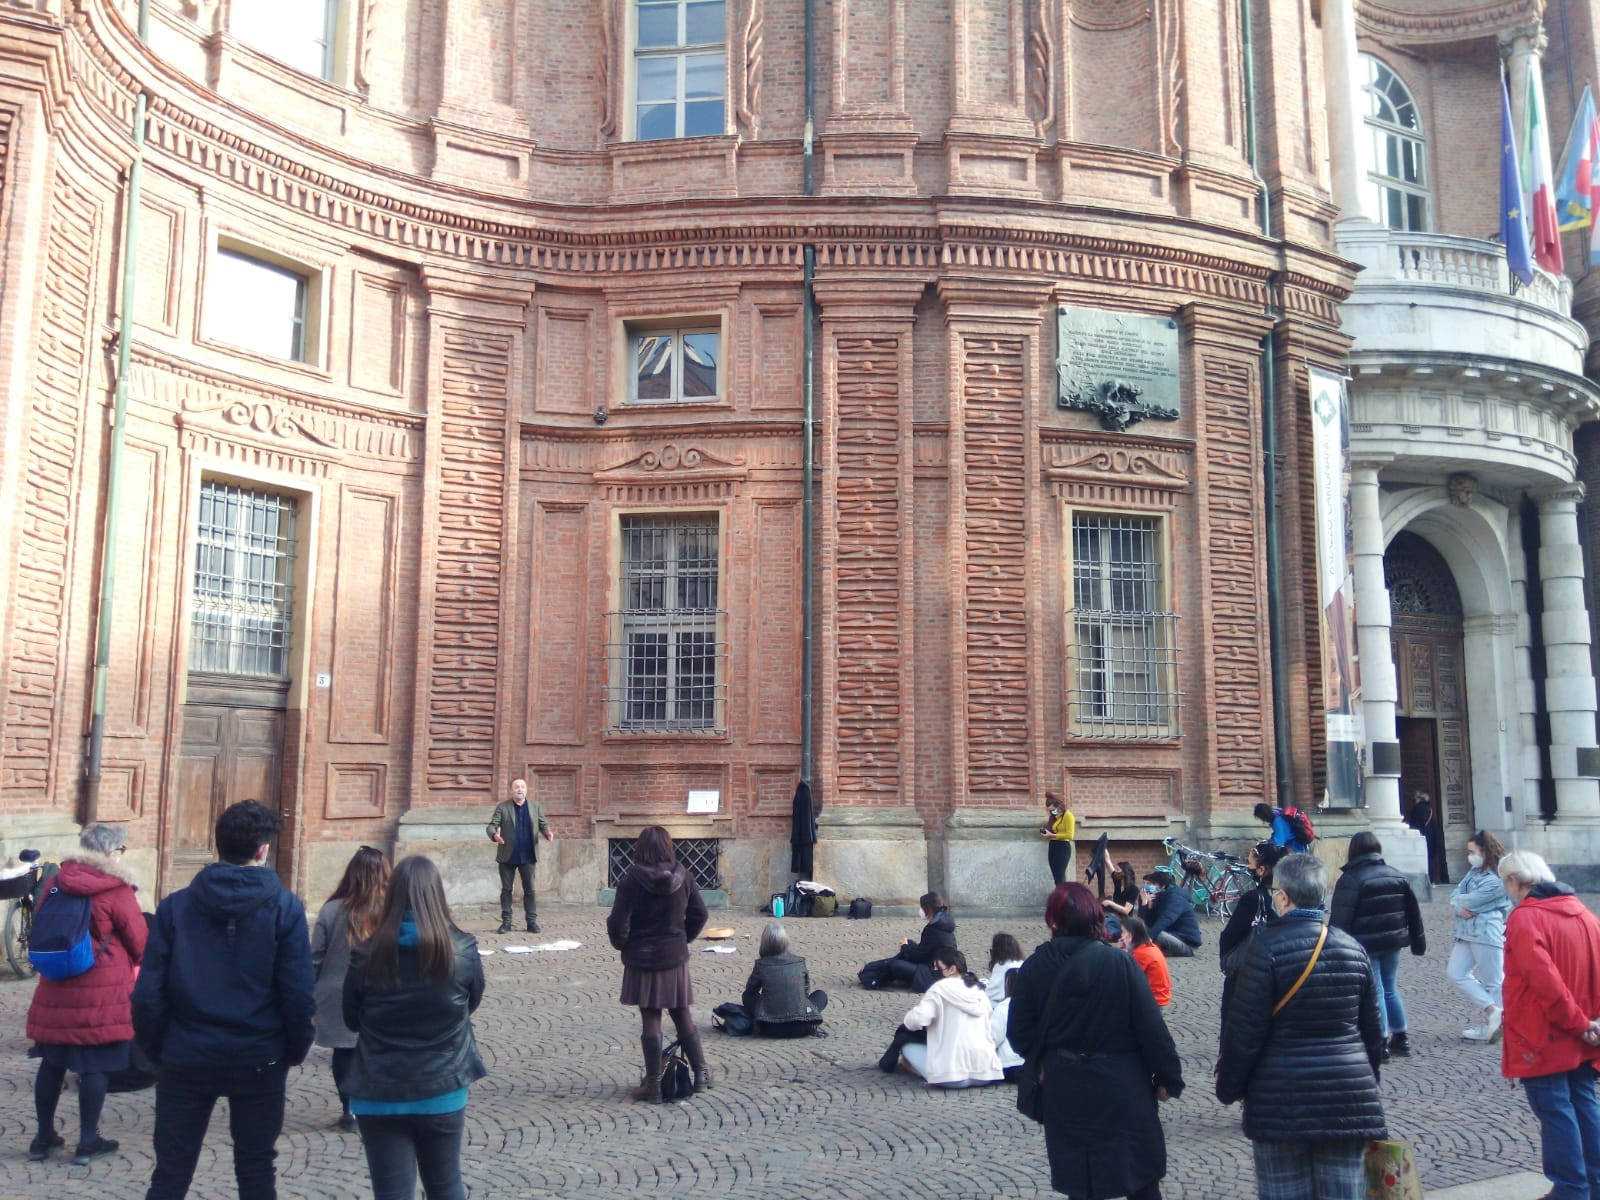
(224, 1005)
(912, 967)
(1374, 904)
(657, 912)
(1304, 1059)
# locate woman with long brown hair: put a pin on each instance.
(657, 913)
(347, 919)
(409, 996)
(1479, 907)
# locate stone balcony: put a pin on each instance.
(1454, 372)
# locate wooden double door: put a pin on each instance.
(232, 750)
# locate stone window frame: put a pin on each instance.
(1392, 130)
(251, 602)
(1162, 706)
(621, 619)
(311, 308)
(681, 52)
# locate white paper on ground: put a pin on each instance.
(720, 950)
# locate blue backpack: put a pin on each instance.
(59, 947)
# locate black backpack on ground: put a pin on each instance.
(860, 909)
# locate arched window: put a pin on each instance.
(1393, 150)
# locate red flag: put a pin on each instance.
(1537, 183)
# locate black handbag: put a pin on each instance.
(677, 1080)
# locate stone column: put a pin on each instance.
(1341, 69)
(1379, 690)
(1569, 689)
(1521, 48)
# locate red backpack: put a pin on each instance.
(1299, 824)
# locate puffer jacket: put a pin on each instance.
(956, 1017)
(1374, 904)
(1552, 985)
(1310, 1073)
(656, 914)
(227, 980)
(779, 991)
(1482, 894)
(937, 934)
(415, 1038)
(94, 1009)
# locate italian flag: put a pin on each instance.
(1537, 184)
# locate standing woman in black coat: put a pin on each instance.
(1374, 904)
(656, 914)
(1301, 1048)
(409, 994)
(1083, 1010)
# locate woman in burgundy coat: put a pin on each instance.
(85, 1024)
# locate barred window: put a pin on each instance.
(698, 856)
(680, 68)
(666, 657)
(1122, 664)
(243, 596)
(1394, 151)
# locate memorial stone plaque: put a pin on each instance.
(1121, 367)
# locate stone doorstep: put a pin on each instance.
(1525, 1185)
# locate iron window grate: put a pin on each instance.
(699, 857)
(242, 600)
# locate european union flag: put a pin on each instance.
(1513, 218)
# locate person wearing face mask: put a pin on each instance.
(1479, 906)
(1169, 912)
(1301, 1046)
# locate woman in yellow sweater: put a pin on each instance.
(1059, 829)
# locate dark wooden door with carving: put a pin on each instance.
(232, 751)
(1431, 706)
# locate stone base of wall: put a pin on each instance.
(996, 862)
(881, 854)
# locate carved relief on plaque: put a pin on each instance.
(1121, 367)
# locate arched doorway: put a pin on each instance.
(1431, 706)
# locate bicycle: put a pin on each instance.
(1215, 880)
(22, 890)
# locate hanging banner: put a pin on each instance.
(1341, 669)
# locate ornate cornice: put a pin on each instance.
(1459, 22)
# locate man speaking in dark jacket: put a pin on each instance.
(223, 1004)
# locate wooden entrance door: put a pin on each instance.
(232, 750)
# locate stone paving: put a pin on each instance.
(805, 1118)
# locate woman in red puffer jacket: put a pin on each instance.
(85, 1024)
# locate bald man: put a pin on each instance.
(515, 830)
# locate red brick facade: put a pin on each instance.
(479, 231)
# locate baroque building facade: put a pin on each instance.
(668, 400)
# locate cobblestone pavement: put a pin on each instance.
(806, 1118)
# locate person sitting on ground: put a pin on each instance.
(1124, 897)
(778, 996)
(1010, 1061)
(912, 966)
(1169, 913)
(1136, 941)
(1005, 955)
(956, 1050)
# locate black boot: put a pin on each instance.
(650, 1086)
(1400, 1045)
(696, 1055)
(891, 1056)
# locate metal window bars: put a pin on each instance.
(243, 596)
(699, 856)
(666, 657)
(1122, 661)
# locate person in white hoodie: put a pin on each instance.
(959, 1052)
(1005, 956)
(1010, 1061)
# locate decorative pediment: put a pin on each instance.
(672, 460)
(272, 418)
(1150, 468)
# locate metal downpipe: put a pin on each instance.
(808, 609)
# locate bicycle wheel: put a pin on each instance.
(1233, 890)
(19, 921)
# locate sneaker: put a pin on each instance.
(87, 1154)
(1475, 1033)
(39, 1149)
(1491, 1024)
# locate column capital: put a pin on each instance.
(1526, 38)
(1555, 495)
(867, 297)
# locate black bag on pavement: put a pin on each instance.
(677, 1080)
(860, 909)
(876, 973)
(732, 1019)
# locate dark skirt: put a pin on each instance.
(84, 1060)
(669, 988)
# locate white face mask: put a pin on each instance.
(1474, 861)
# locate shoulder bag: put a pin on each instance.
(1322, 939)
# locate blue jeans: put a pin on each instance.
(1569, 1131)
(402, 1146)
(1385, 968)
(185, 1097)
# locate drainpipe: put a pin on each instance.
(1283, 758)
(808, 611)
(119, 433)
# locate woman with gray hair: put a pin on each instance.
(778, 996)
(1301, 1044)
(84, 1024)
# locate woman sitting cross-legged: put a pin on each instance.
(957, 1048)
(778, 996)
